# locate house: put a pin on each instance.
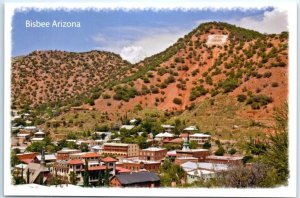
(138, 179)
(38, 136)
(89, 156)
(20, 149)
(133, 121)
(182, 155)
(196, 175)
(189, 166)
(168, 128)
(27, 157)
(190, 129)
(96, 149)
(177, 141)
(95, 167)
(200, 138)
(30, 128)
(64, 154)
(49, 158)
(164, 136)
(120, 149)
(202, 170)
(183, 159)
(153, 154)
(110, 163)
(38, 173)
(232, 160)
(136, 165)
(127, 127)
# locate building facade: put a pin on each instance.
(120, 149)
(153, 154)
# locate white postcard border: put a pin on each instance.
(23, 190)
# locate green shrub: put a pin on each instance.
(241, 97)
(197, 92)
(267, 74)
(195, 72)
(257, 101)
(229, 84)
(124, 93)
(220, 151)
(106, 96)
(275, 84)
(177, 101)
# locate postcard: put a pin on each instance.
(164, 98)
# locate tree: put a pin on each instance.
(241, 176)
(72, 176)
(193, 144)
(232, 151)
(84, 147)
(177, 101)
(100, 179)
(170, 172)
(27, 176)
(86, 174)
(106, 177)
(14, 160)
(18, 177)
(206, 145)
(36, 146)
(72, 145)
(220, 151)
(276, 155)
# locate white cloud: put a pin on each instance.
(132, 53)
(150, 45)
(274, 21)
(142, 43)
(99, 38)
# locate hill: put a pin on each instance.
(248, 67)
(57, 76)
(223, 78)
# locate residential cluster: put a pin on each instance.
(110, 162)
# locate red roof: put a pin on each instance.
(122, 170)
(109, 159)
(99, 167)
(75, 161)
(27, 156)
(87, 155)
(177, 140)
(26, 161)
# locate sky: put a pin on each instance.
(134, 34)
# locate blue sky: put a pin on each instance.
(132, 34)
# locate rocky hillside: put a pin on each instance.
(249, 67)
(217, 76)
(55, 76)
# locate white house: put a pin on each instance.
(200, 138)
(127, 127)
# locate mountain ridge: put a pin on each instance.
(249, 69)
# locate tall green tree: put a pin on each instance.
(14, 160)
(106, 177)
(86, 174)
(276, 155)
(100, 179)
(72, 176)
(170, 172)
